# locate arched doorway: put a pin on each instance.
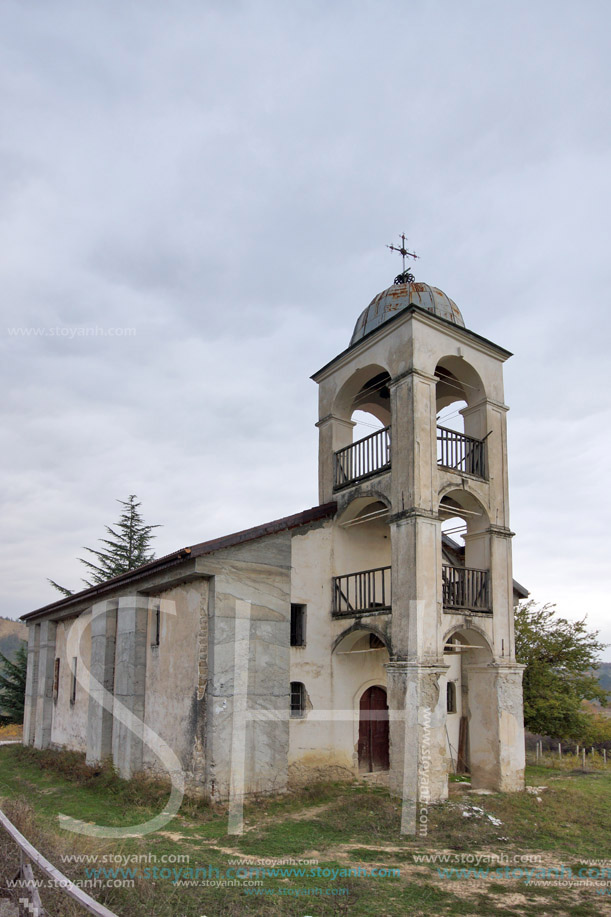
(373, 730)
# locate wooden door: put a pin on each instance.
(373, 730)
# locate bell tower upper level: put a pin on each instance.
(409, 357)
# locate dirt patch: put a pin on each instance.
(309, 814)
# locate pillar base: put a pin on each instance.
(418, 756)
(496, 727)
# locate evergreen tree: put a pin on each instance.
(128, 546)
(560, 658)
(12, 686)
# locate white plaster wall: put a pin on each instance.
(326, 738)
(365, 546)
(352, 674)
(69, 727)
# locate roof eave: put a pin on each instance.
(297, 520)
(411, 310)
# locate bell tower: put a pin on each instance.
(409, 359)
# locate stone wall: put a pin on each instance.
(248, 688)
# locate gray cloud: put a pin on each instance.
(222, 178)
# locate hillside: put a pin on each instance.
(604, 675)
(11, 635)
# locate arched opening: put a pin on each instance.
(359, 658)
(456, 722)
(460, 410)
(371, 406)
(366, 390)
(373, 742)
(465, 553)
(298, 700)
(365, 402)
(363, 638)
(363, 558)
(466, 653)
(458, 381)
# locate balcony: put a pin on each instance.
(370, 592)
(366, 592)
(466, 589)
(460, 452)
(367, 457)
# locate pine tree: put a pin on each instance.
(12, 686)
(128, 546)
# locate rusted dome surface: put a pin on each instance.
(398, 297)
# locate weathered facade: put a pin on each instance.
(352, 637)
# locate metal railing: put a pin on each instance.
(368, 590)
(461, 452)
(359, 460)
(466, 588)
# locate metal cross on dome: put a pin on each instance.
(405, 276)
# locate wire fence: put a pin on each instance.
(566, 756)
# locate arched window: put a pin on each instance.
(298, 699)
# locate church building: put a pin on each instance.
(355, 637)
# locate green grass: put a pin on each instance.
(341, 825)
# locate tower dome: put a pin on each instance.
(398, 297)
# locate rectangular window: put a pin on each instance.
(73, 684)
(56, 680)
(156, 624)
(297, 699)
(298, 621)
(451, 697)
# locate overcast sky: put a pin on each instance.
(223, 178)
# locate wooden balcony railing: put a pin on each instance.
(368, 590)
(461, 452)
(368, 456)
(466, 589)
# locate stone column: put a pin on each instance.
(496, 726)
(102, 672)
(501, 585)
(418, 765)
(333, 433)
(31, 685)
(489, 419)
(44, 700)
(130, 681)
(415, 526)
(414, 442)
(416, 581)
